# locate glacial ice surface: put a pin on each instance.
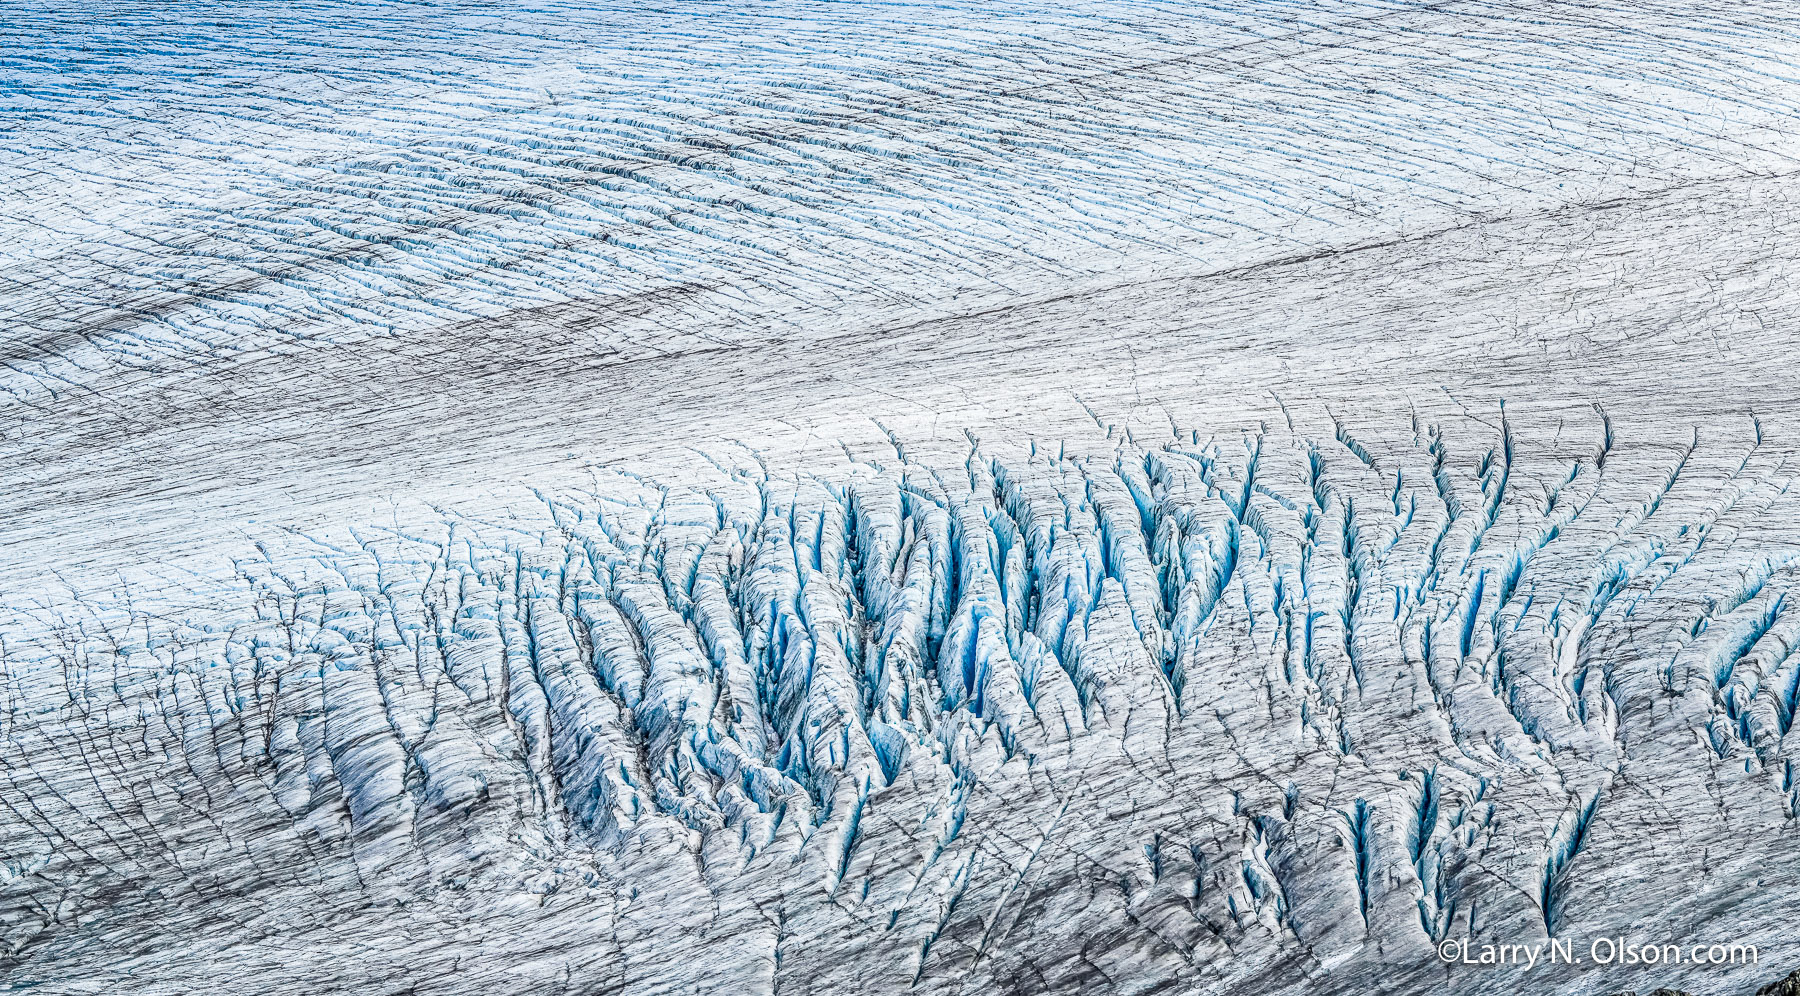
(884, 497)
(1213, 711)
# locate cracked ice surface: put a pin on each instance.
(838, 498)
(1226, 711)
(207, 180)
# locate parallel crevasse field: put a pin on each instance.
(884, 498)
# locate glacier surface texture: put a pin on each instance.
(882, 497)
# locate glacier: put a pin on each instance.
(1112, 497)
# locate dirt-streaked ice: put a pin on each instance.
(1115, 497)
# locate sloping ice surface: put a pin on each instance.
(877, 497)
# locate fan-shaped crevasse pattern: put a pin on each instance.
(1258, 706)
